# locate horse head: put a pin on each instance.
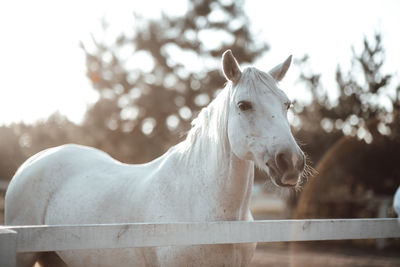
(258, 128)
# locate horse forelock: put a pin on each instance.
(258, 82)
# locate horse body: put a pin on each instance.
(207, 177)
(84, 195)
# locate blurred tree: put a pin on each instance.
(10, 156)
(358, 111)
(56, 130)
(153, 83)
(20, 141)
(362, 127)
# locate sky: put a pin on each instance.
(42, 67)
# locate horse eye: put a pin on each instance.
(244, 105)
(288, 105)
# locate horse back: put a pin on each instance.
(40, 177)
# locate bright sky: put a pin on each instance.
(42, 68)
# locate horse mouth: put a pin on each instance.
(282, 179)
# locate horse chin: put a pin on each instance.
(285, 180)
(290, 178)
(279, 183)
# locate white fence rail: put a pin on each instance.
(17, 239)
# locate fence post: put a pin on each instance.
(383, 208)
(8, 247)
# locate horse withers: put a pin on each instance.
(207, 177)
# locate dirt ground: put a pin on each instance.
(280, 255)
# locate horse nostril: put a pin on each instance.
(282, 161)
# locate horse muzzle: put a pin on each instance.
(286, 167)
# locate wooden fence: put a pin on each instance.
(15, 239)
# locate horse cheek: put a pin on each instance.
(238, 140)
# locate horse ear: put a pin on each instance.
(230, 67)
(279, 71)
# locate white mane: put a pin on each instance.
(211, 123)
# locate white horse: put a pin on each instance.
(207, 177)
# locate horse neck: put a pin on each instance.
(227, 179)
